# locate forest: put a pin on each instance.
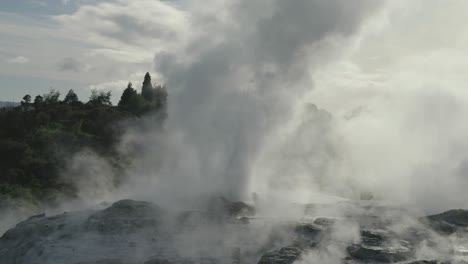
(39, 136)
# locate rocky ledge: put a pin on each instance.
(134, 232)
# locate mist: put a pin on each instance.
(308, 98)
(230, 94)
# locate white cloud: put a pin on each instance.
(38, 2)
(19, 60)
(70, 64)
(114, 86)
(117, 86)
(101, 42)
(127, 25)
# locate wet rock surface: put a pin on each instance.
(134, 232)
(449, 222)
(379, 246)
(286, 255)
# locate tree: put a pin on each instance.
(44, 131)
(127, 97)
(52, 97)
(26, 102)
(26, 99)
(71, 97)
(38, 101)
(100, 98)
(147, 88)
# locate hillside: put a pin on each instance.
(8, 104)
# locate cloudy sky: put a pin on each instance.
(81, 44)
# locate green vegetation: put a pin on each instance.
(37, 137)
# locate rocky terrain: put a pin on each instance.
(134, 232)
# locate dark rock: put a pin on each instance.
(30, 238)
(240, 209)
(36, 216)
(286, 255)
(133, 232)
(180, 261)
(455, 217)
(374, 238)
(380, 246)
(430, 262)
(104, 261)
(125, 216)
(95, 237)
(221, 208)
(449, 222)
(326, 222)
(158, 261)
(442, 227)
(307, 235)
(385, 253)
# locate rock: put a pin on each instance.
(218, 210)
(286, 255)
(106, 236)
(374, 238)
(240, 209)
(39, 216)
(221, 208)
(31, 239)
(380, 246)
(125, 216)
(325, 222)
(455, 217)
(379, 254)
(134, 232)
(158, 261)
(180, 261)
(430, 262)
(307, 235)
(449, 222)
(104, 261)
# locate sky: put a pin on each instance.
(80, 44)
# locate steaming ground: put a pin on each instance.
(286, 103)
(222, 231)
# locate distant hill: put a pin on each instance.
(8, 104)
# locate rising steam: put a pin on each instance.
(310, 97)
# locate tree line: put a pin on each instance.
(37, 136)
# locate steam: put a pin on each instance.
(241, 101)
(237, 79)
(399, 102)
(302, 98)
